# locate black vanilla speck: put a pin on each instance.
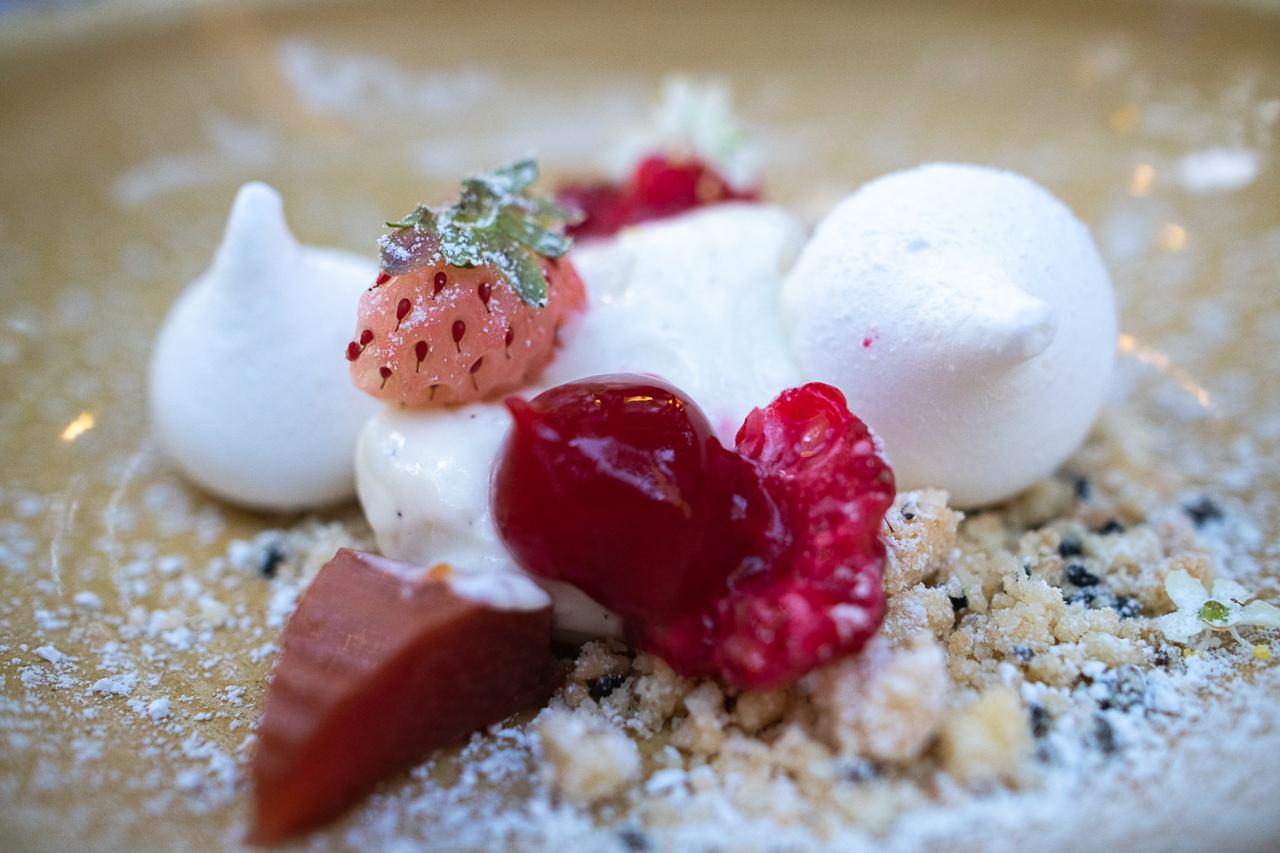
(1083, 596)
(1111, 527)
(1078, 575)
(634, 839)
(1203, 511)
(861, 770)
(1084, 489)
(1039, 721)
(272, 557)
(601, 687)
(1070, 548)
(1103, 735)
(1127, 607)
(959, 602)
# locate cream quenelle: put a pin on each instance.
(967, 316)
(693, 300)
(248, 392)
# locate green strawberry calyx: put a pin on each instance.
(496, 222)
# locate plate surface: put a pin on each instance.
(124, 137)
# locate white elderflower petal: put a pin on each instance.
(1224, 610)
(1185, 591)
(1180, 626)
(1229, 590)
(1260, 614)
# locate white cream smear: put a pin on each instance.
(248, 394)
(693, 300)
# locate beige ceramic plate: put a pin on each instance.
(123, 136)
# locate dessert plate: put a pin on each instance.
(140, 617)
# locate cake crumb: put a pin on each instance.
(886, 704)
(586, 760)
(987, 741)
(920, 531)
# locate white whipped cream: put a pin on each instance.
(423, 480)
(498, 590)
(248, 391)
(693, 300)
(967, 316)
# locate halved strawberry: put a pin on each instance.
(384, 662)
(471, 298)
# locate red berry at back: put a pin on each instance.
(604, 205)
(659, 186)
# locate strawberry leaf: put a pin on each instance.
(531, 235)
(495, 221)
(524, 275)
(461, 246)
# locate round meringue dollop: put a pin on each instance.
(967, 316)
(693, 299)
(248, 392)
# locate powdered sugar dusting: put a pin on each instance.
(1219, 169)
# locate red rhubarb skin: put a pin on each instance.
(378, 669)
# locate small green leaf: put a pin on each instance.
(546, 208)
(531, 235)
(524, 275)
(517, 177)
(410, 220)
(1214, 612)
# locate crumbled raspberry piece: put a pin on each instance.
(808, 587)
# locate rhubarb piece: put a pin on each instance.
(471, 298)
(755, 566)
(382, 663)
